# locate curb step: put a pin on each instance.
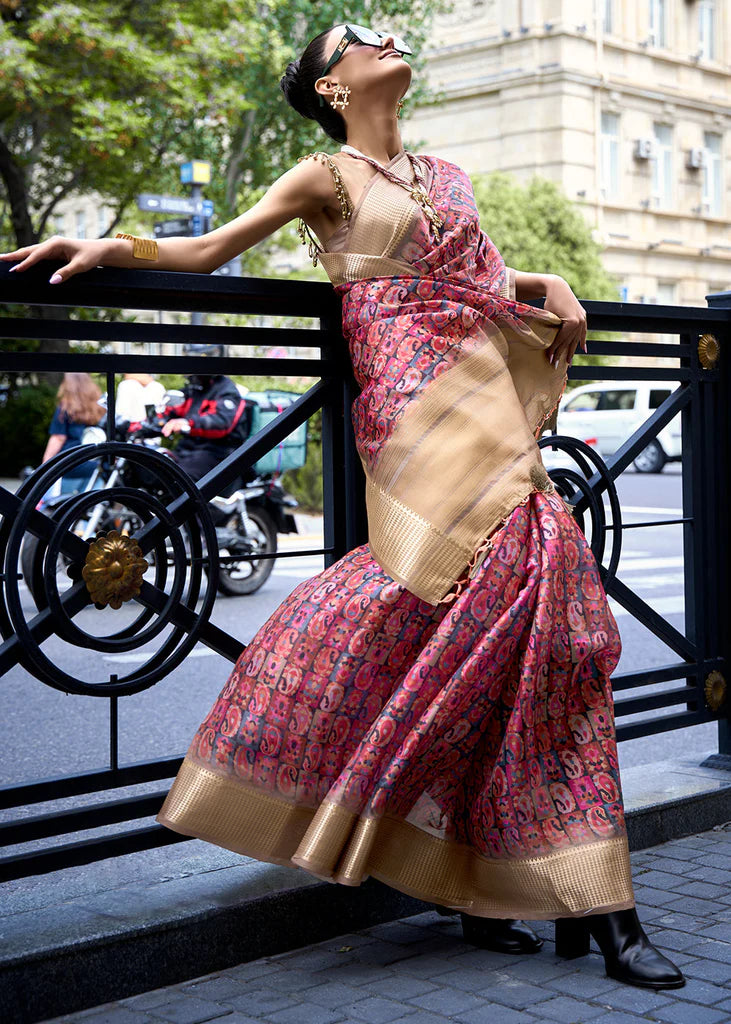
(116, 943)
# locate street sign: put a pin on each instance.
(167, 228)
(195, 172)
(174, 204)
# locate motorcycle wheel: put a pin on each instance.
(245, 577)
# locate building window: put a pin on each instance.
(81, 223)
(712, 184)
(662, 166)
(608, 19)
(610, 155)
(102, 220)
(707, 29)
(59, 223)
(665, 293)
(658, 22)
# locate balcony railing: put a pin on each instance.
(689, 689)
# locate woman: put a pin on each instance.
(435, 708)
(77, 408)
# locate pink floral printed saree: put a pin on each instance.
(434, 709)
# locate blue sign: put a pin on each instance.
(207, 208)
(624, 293)
(196, 223)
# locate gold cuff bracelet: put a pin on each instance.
(142, 248)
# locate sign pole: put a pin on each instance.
(196, 173)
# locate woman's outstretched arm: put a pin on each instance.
(300, 192)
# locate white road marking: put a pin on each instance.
(673, 605)
(136, 657)
(648, 510)
(642, 564)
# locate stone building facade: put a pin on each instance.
(626, 104)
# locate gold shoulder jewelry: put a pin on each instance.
(142, 248)
(346, 204)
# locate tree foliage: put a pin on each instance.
(111, 97)
(538, 229)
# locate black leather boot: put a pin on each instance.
(629, 955)
(501, 935)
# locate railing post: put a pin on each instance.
(722, 444)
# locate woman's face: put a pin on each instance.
(371, 72)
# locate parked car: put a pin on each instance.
(606, 414)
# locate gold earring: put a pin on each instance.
(399, 108)
(340, 99)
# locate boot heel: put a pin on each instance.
(572, 937)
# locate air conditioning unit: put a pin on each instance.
(696, 158)
(644, 149)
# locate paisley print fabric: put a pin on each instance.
(488, 722)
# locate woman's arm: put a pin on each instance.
(559, 300)
(54, 446)
(531, 286)
(301, 191)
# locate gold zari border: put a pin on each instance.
(337, 846)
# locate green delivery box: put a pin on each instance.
(291, 453)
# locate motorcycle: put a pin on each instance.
(246, 522)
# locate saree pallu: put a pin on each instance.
(435, 712)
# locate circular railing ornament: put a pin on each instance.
(708, 351)
(714, 690)
(114, 569)
(156, 579)
(585, 500)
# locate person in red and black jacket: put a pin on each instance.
(214, 420)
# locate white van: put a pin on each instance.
(604, 415)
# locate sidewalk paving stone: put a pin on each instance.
(420, 970)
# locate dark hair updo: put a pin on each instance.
(298, 85)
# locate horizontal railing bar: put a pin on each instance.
(611, 347)
(87, 851)
(652, 701)
(665, 723)
(656, 674)
(229, 559)
(657, 522)
(185, 292)
(674, 375)
(60, 787)
(117, 362)
(140, 332)
(166, 290)
(80, 819)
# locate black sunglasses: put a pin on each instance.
(363, 35)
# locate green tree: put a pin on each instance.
(538, 229)
(111, 97)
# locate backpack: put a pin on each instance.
(291, 453)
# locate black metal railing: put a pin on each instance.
(182, 603)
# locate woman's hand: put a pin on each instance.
(79, 254)
(572, 333)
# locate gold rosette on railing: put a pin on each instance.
(113, 569)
